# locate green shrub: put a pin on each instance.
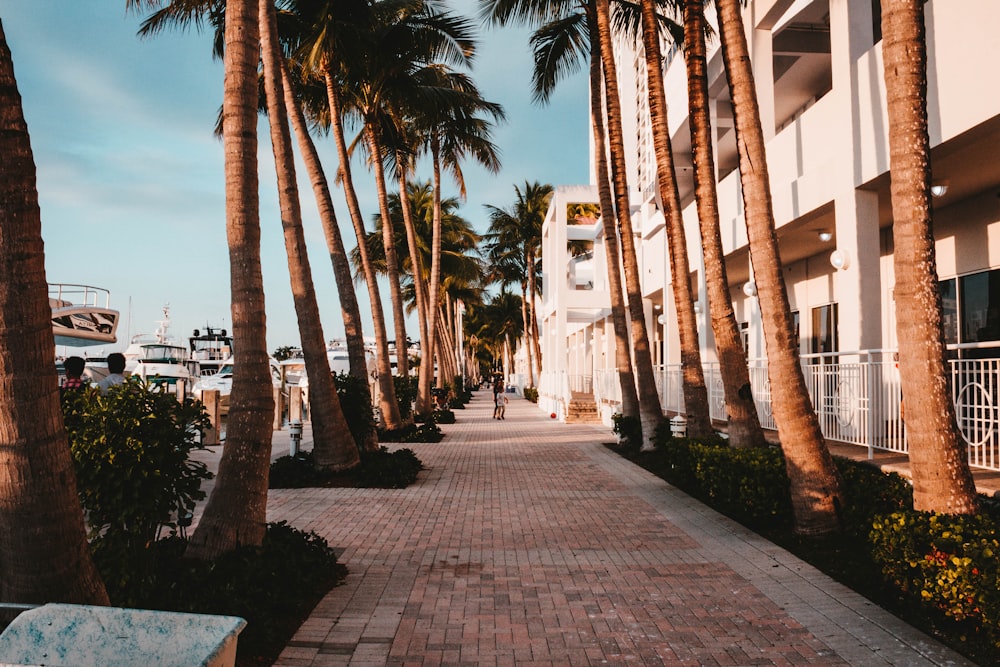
(948, 563)
(869, 492)
(443, 417)
(747, 483)
(628, 430)
(531, 394)
(412, 433)
(383, 469)
(272, 586)
(356, 402)
(406, 393)
(298, 472)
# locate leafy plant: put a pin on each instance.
(443, 417)
(628, 429)
(355, 401)
(383, 469)
(406, 393)
(531, 393)
(131, 448)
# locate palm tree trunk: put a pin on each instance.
(815, 484)
(699, 423)
(529, 345)
(391, 258)
(942, 480)
(532, 330)
(333, 445)
(434, 286)
(388, 405)
(743, 423)
(623, 345)
(236, 512)
(424, 405)
(331, 229)
(45, 552)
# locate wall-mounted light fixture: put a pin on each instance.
(939, 188)
(662, 319)
(839, 259)
(825, 236)
(750, 288)
(697, 306)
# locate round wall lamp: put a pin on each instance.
(697, 306)
(939, 188)
(662, 319)
(750, 288)
(839, 259)
(825, 236)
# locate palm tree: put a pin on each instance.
(743, 423)
(815, 485)
(942, 481)
(566, 33)
(333, 445)
(699, 424)
(330, 38)
(650, 415)
(44, 555)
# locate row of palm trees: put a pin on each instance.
(566, 33)
(395, 69)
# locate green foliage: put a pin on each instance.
(531, 393)
(406, 393)
(412, 433)
(443, 417)
(131, 451)
(871, 492)
(383, 469)
(299, 472)
(272, 586)
(628, 429)
(947, 563)
(284, 352)
(356, 402)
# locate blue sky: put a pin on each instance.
(130, 177)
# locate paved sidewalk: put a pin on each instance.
(526, 542)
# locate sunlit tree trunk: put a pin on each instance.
(236, 512)
(699, 424)
(388, 405)
(350, 310)
(333, 445)
(942, 480)
(743, 423)
(650, 414)
(815, 484)
(623, 344)
(44, 556)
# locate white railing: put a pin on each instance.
(859, 401)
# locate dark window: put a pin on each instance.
(980, 303)
(824, 330)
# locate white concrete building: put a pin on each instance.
(818, 69)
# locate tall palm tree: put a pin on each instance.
(815, 485)
(942, 481)
(743, 422)
(333, 445)
(699, 423)
(565, 33)
(44, 554)
(332, 37)
(650, 415)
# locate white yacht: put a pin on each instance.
(210, 348)
(159, 358)
(82, 315)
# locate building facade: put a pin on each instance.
(820, 86)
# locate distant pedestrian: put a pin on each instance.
(74, 375)
(499, 405)
(116, 370)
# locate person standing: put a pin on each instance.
(501, 406)
(116, 372)
(74, 375)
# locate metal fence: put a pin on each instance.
(856, 395)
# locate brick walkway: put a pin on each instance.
(527, 543)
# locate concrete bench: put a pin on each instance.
(85, 636)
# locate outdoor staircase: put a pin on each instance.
(582, 409)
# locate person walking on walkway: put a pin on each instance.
(499, 405)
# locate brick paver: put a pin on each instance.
(526, 542)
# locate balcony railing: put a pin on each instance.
(856, 395)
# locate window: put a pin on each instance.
(970, 311)
(824, 330)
